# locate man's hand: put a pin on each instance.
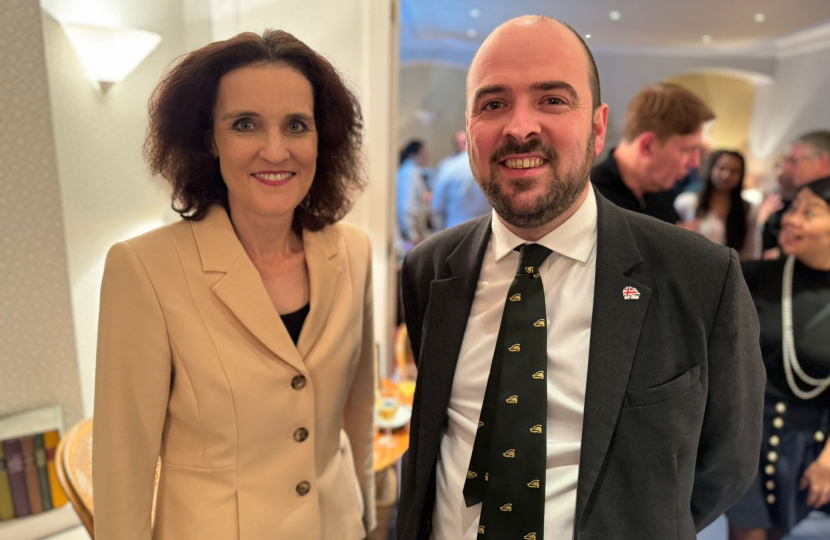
(772, 203)
(772, 254)
(693, 225)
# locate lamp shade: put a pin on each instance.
(110, 54)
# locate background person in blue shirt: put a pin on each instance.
(456, 197)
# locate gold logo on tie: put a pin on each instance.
(480, 423)
(529, 269)
(533, 484)
(515, 348)
(507, 507)
(481, 530)
(539, 375)
(540, 323)
(513, 399)
(510, 453)
(471, 474)
(486, 477)
(536, 275)
(530, 536)
(536, 429)
(516, 297)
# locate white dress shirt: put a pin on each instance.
(568, 276)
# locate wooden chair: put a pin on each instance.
(73, 461)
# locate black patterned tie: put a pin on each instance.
(507, 468)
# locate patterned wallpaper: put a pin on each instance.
(37, 345)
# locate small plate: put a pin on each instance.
(402, 416)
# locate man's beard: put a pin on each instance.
(560, 194)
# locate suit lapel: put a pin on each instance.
(615, 331)
(324, 276)
(445, 321)
(241, 288)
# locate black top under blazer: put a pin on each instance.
(674, 398)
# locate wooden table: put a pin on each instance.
(386, 455)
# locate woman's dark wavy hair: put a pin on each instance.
(180, 131)
(738, 209)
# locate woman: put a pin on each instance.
(413, 195)
(792, 296)
(237, 343)
(719, 213)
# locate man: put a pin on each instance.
(662, 136)
(456, 197)
(808, 161)
(604, 382)
(775, 204)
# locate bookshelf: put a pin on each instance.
(50, 522)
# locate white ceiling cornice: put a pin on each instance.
(461, 51)
(804, 42)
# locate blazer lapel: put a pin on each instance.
(450, 299)
(241, 288)
(615, 331)
(324, 275)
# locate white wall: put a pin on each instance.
(438, 88)
(37, 345)
(796, 103)
(107, 191)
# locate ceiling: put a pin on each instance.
(431, 28)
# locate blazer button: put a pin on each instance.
(303, 488)
(301, 434)
(298, 382)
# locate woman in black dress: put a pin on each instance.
(792, 296)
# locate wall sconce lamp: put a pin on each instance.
(110, 54)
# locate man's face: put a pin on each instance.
(669, 162)
(531, 129)
(805, 165)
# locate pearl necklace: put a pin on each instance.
(788, 343)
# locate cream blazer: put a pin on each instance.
(194, 364)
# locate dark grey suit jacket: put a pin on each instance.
(673, 406)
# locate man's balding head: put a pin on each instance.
(525, 22)
(535, 121)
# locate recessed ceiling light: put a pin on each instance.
(471, 33)
(587, 36)
(475, 13)
(760, 17)
(615, 15)
(706, 38)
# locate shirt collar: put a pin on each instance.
(574, 239)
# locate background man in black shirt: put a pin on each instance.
(662, 137)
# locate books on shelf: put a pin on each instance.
(6, 504)
(42, 475)
(50, 441)
(28, 478)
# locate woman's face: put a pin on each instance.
(805, 230)
(726, 173)
(265, 138)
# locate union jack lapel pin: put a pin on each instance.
(630, 293)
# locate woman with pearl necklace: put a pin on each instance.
(792, 296)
